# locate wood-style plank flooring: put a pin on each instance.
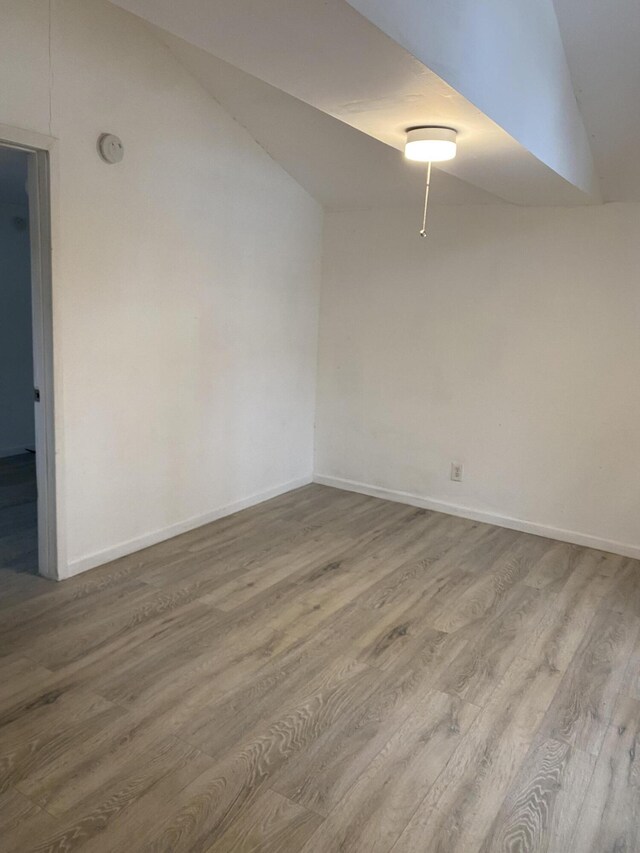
(325, 672)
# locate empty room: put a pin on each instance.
(319, 426)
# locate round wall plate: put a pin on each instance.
(110, 148)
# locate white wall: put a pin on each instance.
(508, 341)
(16, 356)
(185, 285)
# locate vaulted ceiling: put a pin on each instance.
(602, 43)
(328, 88)
(340, 166)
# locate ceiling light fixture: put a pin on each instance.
(429, 145)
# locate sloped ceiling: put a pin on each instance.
(327, 55)
(505, 57)
(602, 42)
(341, 167)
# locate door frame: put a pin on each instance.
(40, 152)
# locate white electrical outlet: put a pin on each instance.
(456, 472)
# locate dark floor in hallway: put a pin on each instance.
(18, 515)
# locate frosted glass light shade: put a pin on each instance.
(430, 144)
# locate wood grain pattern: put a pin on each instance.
(324, 672)
(484, 595)
(610, 815)
(319, 776)
(458, 810)
(273, 824)
(582, 708)
(376, 808)
(474, 672)
(541, 809)
(569, 614)
(16, 810)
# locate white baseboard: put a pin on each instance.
(14, 451)
(571, 536)
(91, 561)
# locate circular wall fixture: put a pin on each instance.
(110, 148)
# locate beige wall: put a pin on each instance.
(509, 340)
(185, 288)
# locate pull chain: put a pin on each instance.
(423, 232)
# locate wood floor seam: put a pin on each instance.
(295, 803)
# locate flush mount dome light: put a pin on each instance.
(430, 144)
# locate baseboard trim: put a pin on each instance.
(571, 536)
(99, 558)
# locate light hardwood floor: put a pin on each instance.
(325, 672)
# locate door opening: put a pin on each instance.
(27, 475)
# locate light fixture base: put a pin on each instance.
(430, 144)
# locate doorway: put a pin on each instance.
(27, 476)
